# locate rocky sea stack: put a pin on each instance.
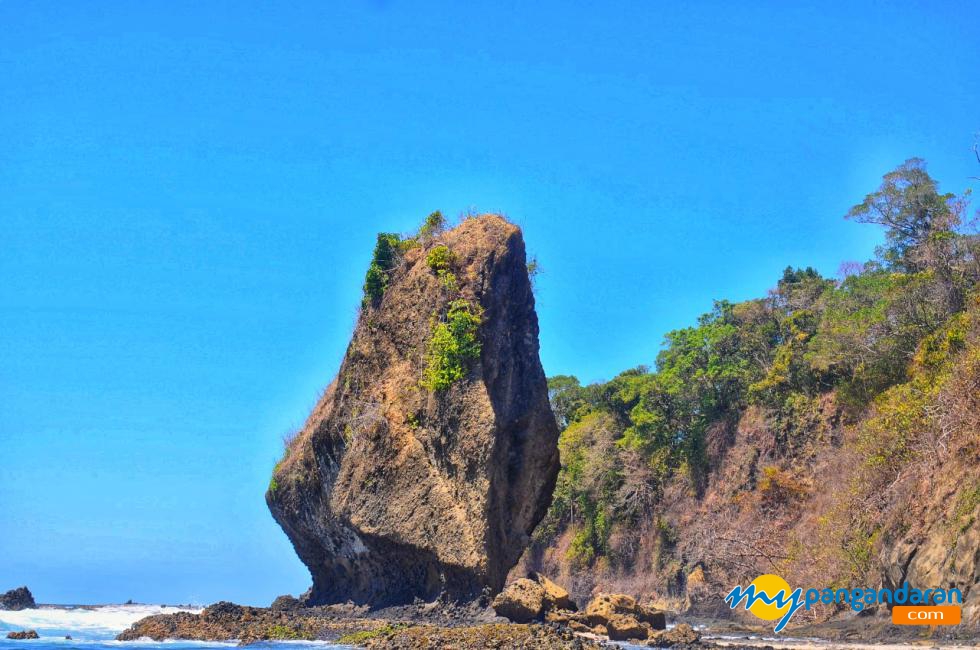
(19, 598)
(429, 460)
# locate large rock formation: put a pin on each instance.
(19, 598)
(394, 491)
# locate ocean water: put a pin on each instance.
(96, 627)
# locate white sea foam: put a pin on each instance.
(97, 627)
(100, 622)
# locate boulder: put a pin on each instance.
(680, 634)
(25, 634)
(622, 617)
(528, 599)
(285, 603)
(16, 599)
(522, 601)
(225, 610)
(430, 459)
(556, 597)
(604, 606)
(561, 616)
(578, 626)
(655, 618)
(623, 627)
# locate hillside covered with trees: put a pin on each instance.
(828, 431)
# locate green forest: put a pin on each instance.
(874, 371)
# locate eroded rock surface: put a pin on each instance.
(393, 491)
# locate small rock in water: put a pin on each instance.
(24, 634)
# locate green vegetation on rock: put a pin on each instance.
(273, 483)
(286, 633)
(454, 343)
(362, 637)
(390, 247)
(386, 253)
(440, 258)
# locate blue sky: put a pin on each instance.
(189, 194)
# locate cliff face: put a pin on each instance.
(394, 490)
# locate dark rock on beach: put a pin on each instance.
(16, 599)
(285, 603)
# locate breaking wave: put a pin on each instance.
(82, 622)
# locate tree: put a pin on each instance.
(908, 204)
(434, 225)
(566, 396)
(382, 262)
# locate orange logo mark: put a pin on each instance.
(934, 615)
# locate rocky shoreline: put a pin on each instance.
(433, 625)
(530, 613)
(441, 625)
(349, 625)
